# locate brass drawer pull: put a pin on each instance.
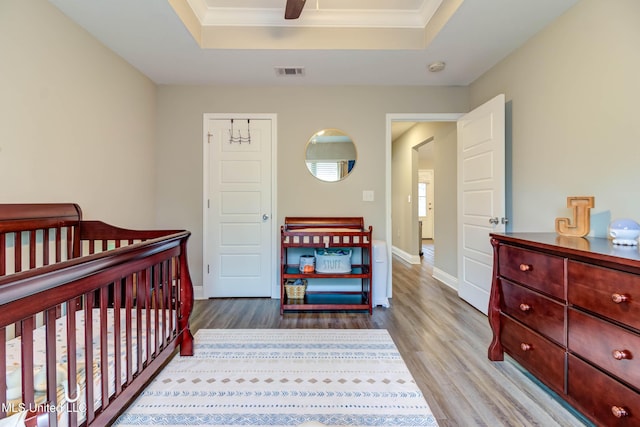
(525, 307)
(525, 267)
(619, 412)
(619, 298)
(525, 347)
(621, 354)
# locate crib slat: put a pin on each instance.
(3, 254)
(117, 333)
(163, 303)
(88, 356)
(3, 368)
(157, 288)
(104, 350)
(140, 292)
(128, 337)
(58, 244)
(147, 307)
(27, 326)
(172, 274)
(32, 249)
(70, 245)
(18, 252)
(169, 293)
(45, 246)
(50, 341)
(72, 366)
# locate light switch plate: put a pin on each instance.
(367, 196)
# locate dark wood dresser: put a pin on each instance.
(568, 310)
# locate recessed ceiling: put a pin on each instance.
(172, 47)
(323, 24)
(333, 13)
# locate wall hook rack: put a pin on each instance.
(240, 139)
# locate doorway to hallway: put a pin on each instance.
(435, 134)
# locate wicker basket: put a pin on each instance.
(295, 288)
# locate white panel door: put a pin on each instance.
(425, 176)
(238, 238)
(481, 197)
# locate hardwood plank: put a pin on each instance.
(442, 339)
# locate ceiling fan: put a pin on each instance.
(293, 9)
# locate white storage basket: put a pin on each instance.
(333, 260)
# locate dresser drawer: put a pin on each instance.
(540, 313)
(611, 293)
(612, 348)
(534, 269)
(600, 397)
(538, 355)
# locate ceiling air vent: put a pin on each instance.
(289, 71)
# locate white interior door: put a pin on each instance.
(238, 246)
(426, 208)
(481, 197)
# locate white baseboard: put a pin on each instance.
(446, 278)
(405, 256)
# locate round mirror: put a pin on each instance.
(330, 155)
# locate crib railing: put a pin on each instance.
(35, 235)
(154, 315)
(134, 286)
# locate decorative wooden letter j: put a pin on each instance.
(581, 224)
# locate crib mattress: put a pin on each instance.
(13, 359)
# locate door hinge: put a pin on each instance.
(208, 203)
(208, 269)
(209, 135)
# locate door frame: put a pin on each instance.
(275, 241)
(406, 117)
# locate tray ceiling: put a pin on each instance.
(336, 42)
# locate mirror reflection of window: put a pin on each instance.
(331, 171)
(326, 171)
(330, 155)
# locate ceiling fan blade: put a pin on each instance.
(293, 9)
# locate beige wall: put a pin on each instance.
(401, 187)
(575, 90)
(445, 232)
(301, 111)
(425, 162)
(77, 122)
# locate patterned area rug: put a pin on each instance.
(284, 377)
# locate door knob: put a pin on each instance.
(494, 220)
(265, 217)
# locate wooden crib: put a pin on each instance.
(127, 294)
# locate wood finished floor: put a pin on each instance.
(442, 339)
